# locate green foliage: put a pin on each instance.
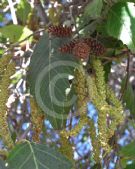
(127, 154)
(93, 9)
(48, 79)
(129, 97)
(23, 10)
(121, 23)
(36, 156)
(15, 32)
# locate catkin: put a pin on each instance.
(101, 106)
(95, 142)
(66, 146)
(80, 90)
(4, 84)
(100, 80)
(37, 119)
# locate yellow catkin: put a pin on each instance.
(81, 93)
(80, 90)
(106, 103)
(102, 108)
(37, 119)
(74, 131)
(95, 142)
(116, 110)
(4, 61)
(100, 80)
(4, 84)
(66, 147)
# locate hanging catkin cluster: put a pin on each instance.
(37, 119)
(106, 103)
(79, 84)
(6, 70)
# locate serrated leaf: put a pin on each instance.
(23, 10)
(129, 97)
(36, 156)
(48, 79)
(93, 9)
(15, 33)
(121, 23)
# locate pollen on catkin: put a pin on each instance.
(95, 141)
(4, 61)
(4, 84)
(37, 119)
(66, 146)
(75, 131)
(101, 107)
(100, 78)
(79, 84)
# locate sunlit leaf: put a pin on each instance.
(121, 23)
(15, 33)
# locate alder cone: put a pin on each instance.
(60, 31)
(81, 50)
(96, 47)
(67, 48)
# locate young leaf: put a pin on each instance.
(48, 79)
(121, 23)
(36, 156)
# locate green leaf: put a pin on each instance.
(2, 164)
(131, 166)
(15, 33)
(93, 9)
(23, 10)
(36, 156)
(129, 97)
(128, 151)
(121, 23)
(48, 79)
(127, 154)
